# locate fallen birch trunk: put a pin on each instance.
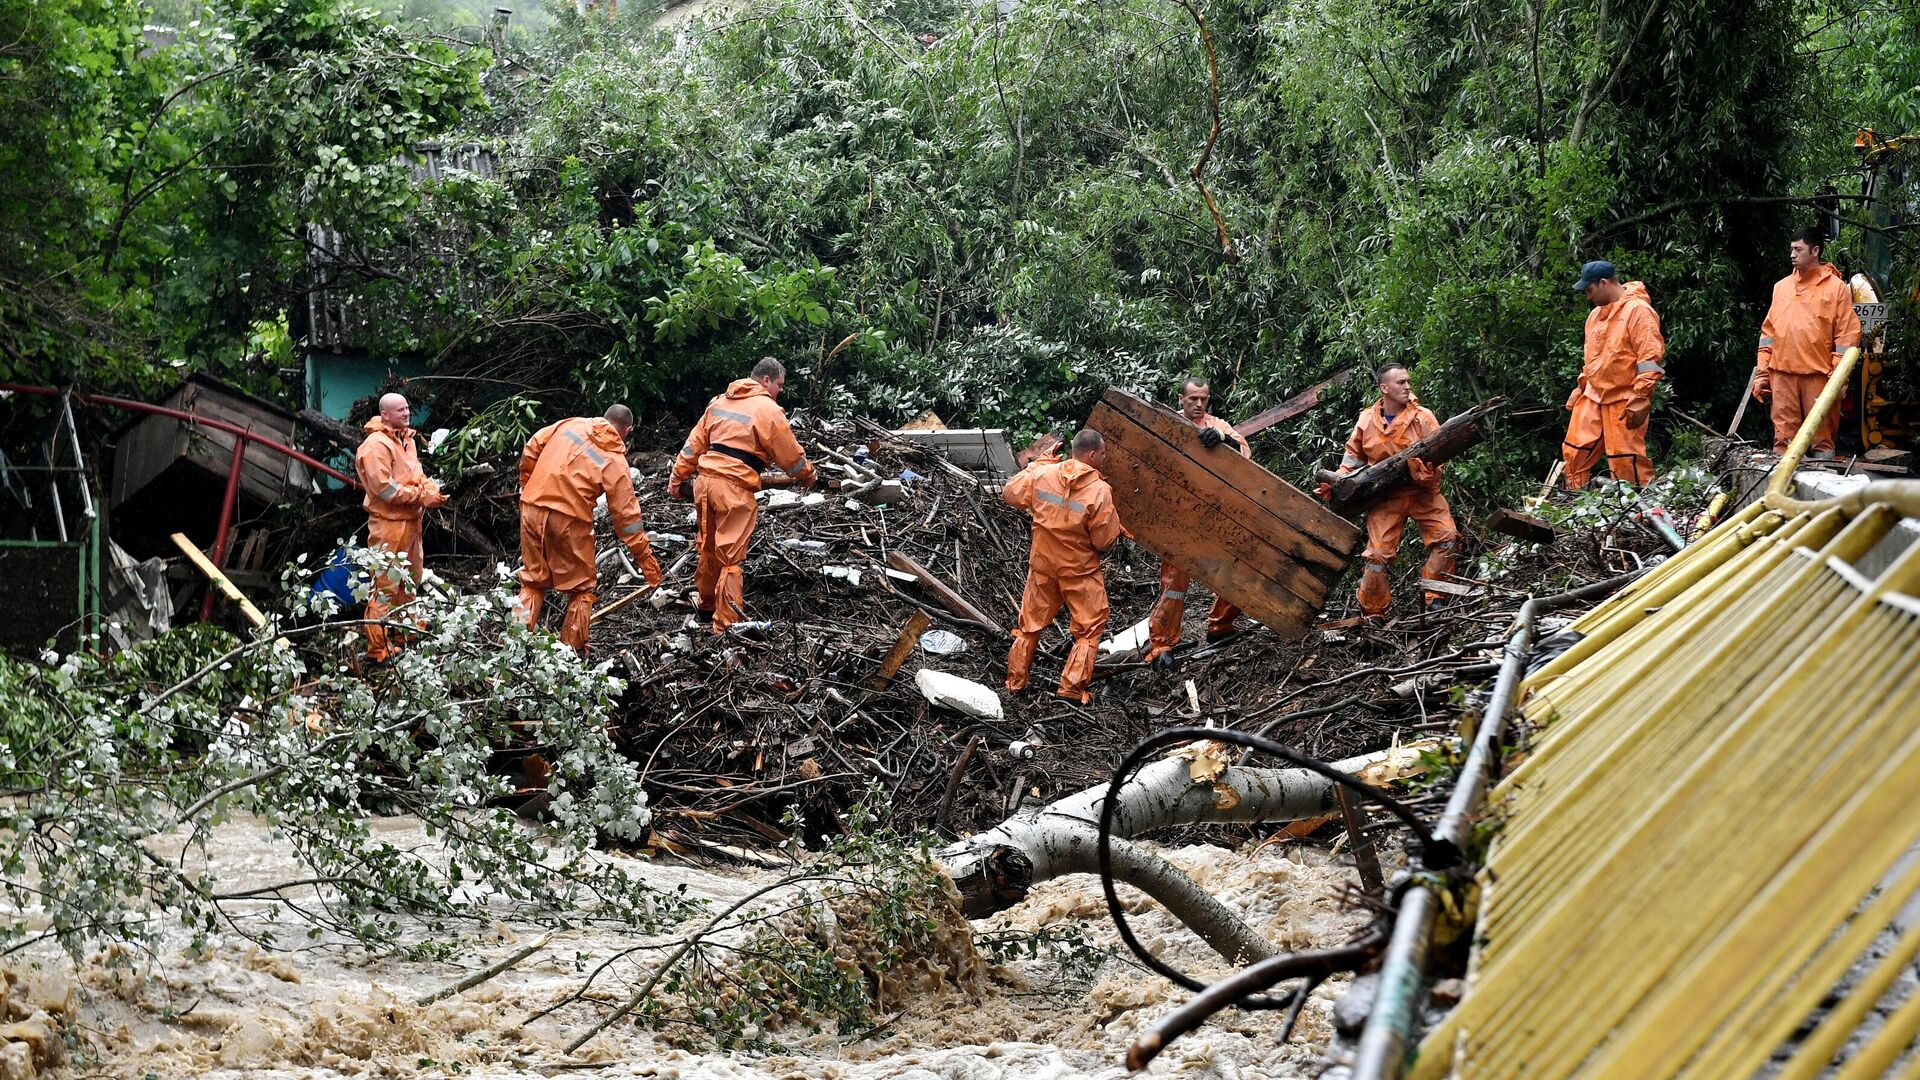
(994, 869)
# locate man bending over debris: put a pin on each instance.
(1809, 326)
(1073, 522)
(398, 497)
(1390, 425)
(1164, 624)
(564, 470)
(1615, 393)
(741, 431)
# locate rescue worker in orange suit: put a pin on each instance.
(742, 431)
(1809, 326)
(1390, 425)
(564, 470)
(398, 497)
(1073, 522)
(1614, 398)
(1163, 625)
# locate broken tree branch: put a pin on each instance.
(1292, 407)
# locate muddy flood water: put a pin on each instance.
(328, 1009)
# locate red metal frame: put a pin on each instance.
(242, 436)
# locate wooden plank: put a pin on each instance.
(1296, 522)
(1305, 523)
(1267, 547)
(1292, 407)
(902, 648)
(1522, 526)
(946, 594)
(1164, 519)
(219, 579)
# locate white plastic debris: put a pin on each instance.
(660, 599)
(1134, 637)
(960, 695)
(943, 642)
(438, 439)
(664, 538)
(806, 547)
(845, 573)
(1021, 749)
(813, 498)
(781, 497)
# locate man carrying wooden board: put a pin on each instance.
(1073, 523)
(1170, 610)
(1385, 428)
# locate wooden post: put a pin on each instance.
(902, 648)
(1356, 491)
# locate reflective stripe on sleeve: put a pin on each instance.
(1645, 366)
(729, 414)
(629, 530)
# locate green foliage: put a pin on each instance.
(840, 942)
(106, 760)
(495, 432)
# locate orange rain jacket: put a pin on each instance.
(389, 468)
(1373, 440)
(567, 466)
(743, 421)
(1624, 350)
(398, 495)
(1073, 515)
(1810, 323)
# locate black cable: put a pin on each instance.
(1434, 853)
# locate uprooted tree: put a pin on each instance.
(107, 761)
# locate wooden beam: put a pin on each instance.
(1290, 408)
(1522, 526)
(902, 648)
(232, 591)
(946, 594)
(1356, 491)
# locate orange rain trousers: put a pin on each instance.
(401, 536)
(557, 553)
(727, 514)
(1386, 523)
(1085, 598)
(1599, 429)
(1163, 625)
(1792, 402)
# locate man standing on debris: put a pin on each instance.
(1073, 522)
(564, 470)
(1614, 397)
(1809, 326)
(1388, 426)
(1171, 609)
(741, 431)
(398, 497)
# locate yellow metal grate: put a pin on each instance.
(1701, 841)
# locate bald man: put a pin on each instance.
(398, 497)
(564, 470)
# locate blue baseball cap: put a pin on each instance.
(1598, 270)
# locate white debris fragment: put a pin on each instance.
(943, 642)
(960, 695)
(1134, 637)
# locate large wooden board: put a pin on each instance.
(1267, 547)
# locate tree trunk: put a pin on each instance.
(1356, 491)
(993, 870)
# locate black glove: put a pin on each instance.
(1209, 438)
(1233, 441)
